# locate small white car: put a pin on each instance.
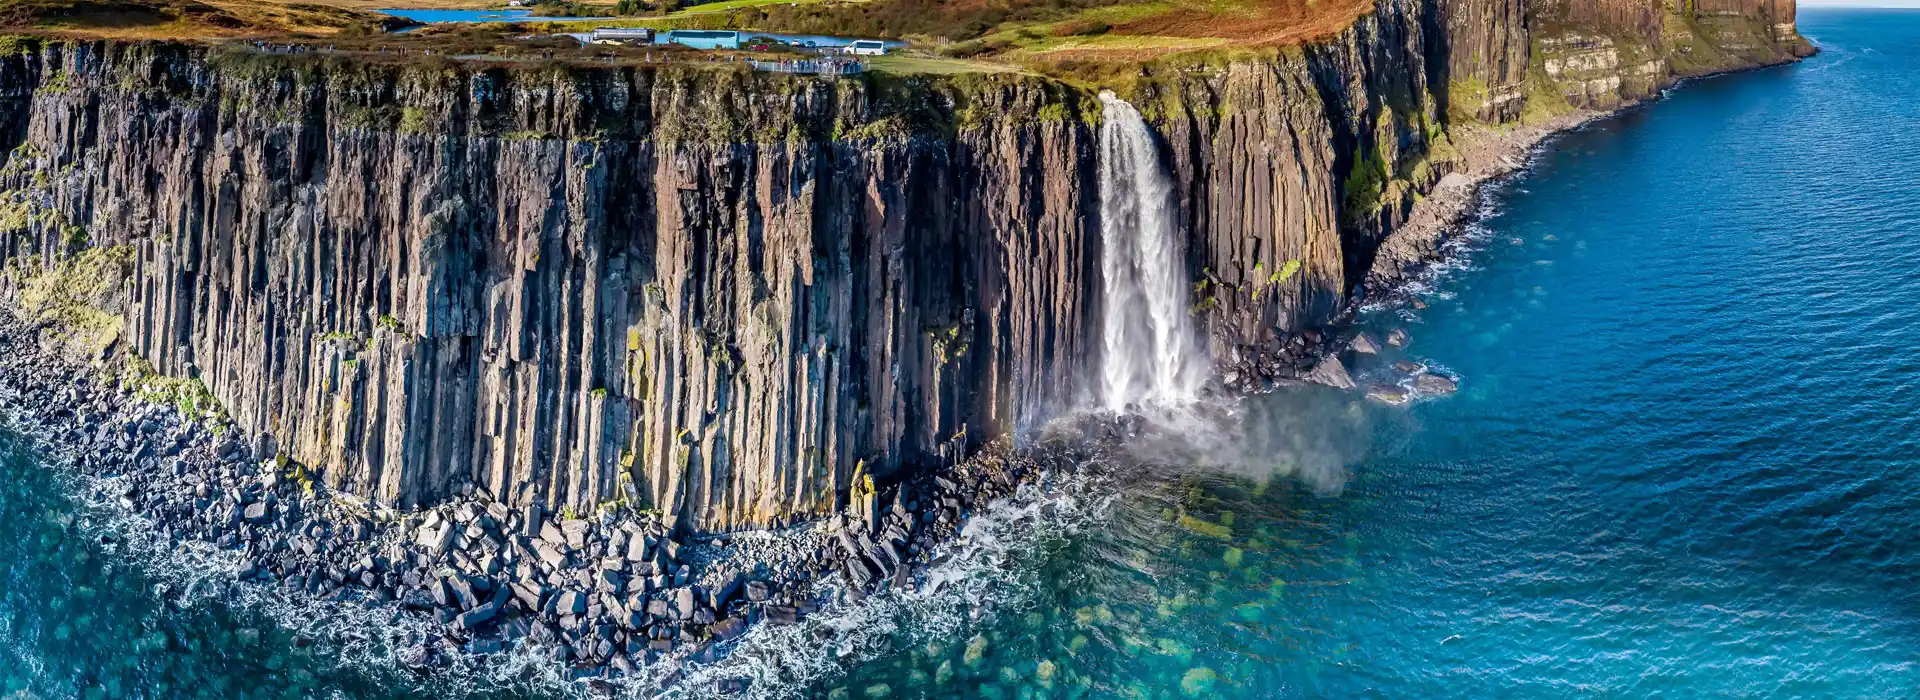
(867, 47)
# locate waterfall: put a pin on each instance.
(1149, 351)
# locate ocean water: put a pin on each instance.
(1684, 462)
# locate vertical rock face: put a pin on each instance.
(719, 294)
(1601, 54)
(1485, 44)
(705, 292)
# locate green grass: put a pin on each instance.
(1544, 102)
(1366, 182)
(902, 64)
(190, 397)
(79, 296)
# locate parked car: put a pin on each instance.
(867, 47)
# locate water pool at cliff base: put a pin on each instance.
(1681, 463)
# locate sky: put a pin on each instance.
(1860, 3)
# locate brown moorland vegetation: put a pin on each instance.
(1256, 22)
(178, 19)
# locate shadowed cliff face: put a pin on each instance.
(712, 293)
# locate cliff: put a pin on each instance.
(723, 294)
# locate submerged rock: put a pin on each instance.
(1398, 338)
(1434, 384)
(976, 650)
(1389, 394)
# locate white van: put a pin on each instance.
(867, 47)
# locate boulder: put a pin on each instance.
(637, 549)
(473, 619)
(531, 520)
(575, 531)
(1398, 338)
(466, 592)
(1435, 384)
(1363, 344)
(682, 601)
(529, 594)
(1331, 372)
(442, 539)
(1388, 394)
(719, 595)
(552, 535)
(549, 555)
(571, 603)
(1408, 366)
(610, 582)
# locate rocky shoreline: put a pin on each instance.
(1326, 356)
(610, 595)
(1486, 155)
(1413, 249)
(1407, 254)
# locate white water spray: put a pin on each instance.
(1150, 354)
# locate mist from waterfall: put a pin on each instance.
(1150, 354)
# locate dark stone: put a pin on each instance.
(572, 603)
(1435, 384)
(1388, 393)
(473, 619)
(610, 582)
(724, 592)
(531, 519)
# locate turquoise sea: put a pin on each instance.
(1684, 462)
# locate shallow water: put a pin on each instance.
(1681, 463)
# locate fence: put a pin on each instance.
(811, 67)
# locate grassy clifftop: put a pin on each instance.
(1060, 37)
(182, 19)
